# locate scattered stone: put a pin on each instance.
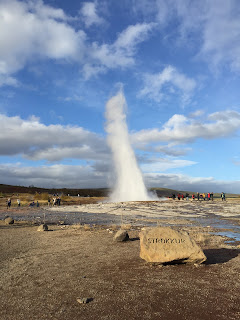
(121, 235)
(61, 222)
(165, 245)
(43, 227)
(83, 300)
(87, 227)
(127, 226)
(9, 220)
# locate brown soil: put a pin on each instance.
(42, 274)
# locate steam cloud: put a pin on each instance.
(129, 184)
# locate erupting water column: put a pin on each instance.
(129, 184)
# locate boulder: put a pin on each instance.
(43, 227)
(165, 245)
(121, 235)
(9, 220)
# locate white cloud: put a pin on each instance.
(36, 141)
(132, 36)
(55, 176)
(221, 33)
(170, 81)
(196, 114)
(118, 54)
(171, 151)
(212, 25)
(89, 14)
(164, 164)
(180, 129)
(188, 183)
(70, 176)
(45, 11)
(74, 97)
(8, 80)
(32, 30)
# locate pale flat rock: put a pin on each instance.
(43, 227)
(121, 235)
(163, 245)
(83, 300)
(9, 220)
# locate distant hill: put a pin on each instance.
(164, 192)
(101, 192)
(98, 192)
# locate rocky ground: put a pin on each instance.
(45, 275)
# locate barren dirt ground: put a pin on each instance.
(42, 274)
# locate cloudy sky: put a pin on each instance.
(178, 62)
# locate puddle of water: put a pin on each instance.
(235, 236)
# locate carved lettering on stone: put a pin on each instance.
(164, 244)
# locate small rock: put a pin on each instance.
(83, 300)
(43, 227)
(121, 235)
(9, 220)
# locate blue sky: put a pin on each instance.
(178, 63)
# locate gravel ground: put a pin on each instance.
(44, 275)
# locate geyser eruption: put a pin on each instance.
(129, 184)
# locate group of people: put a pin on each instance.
(33, 204)
(199, 196)
(9, 203)
(56, 201)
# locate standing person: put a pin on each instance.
(187, 195)
(223, 196)
(193, 196)
(58, 201)
(208, 195)
(198, 196)
(211, 195)
(9, 202)
(18, 202)
(204, 196)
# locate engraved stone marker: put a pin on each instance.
(163, 244)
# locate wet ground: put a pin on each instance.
(44, 274)
(222, 218)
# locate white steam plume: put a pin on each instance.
(129, 184)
